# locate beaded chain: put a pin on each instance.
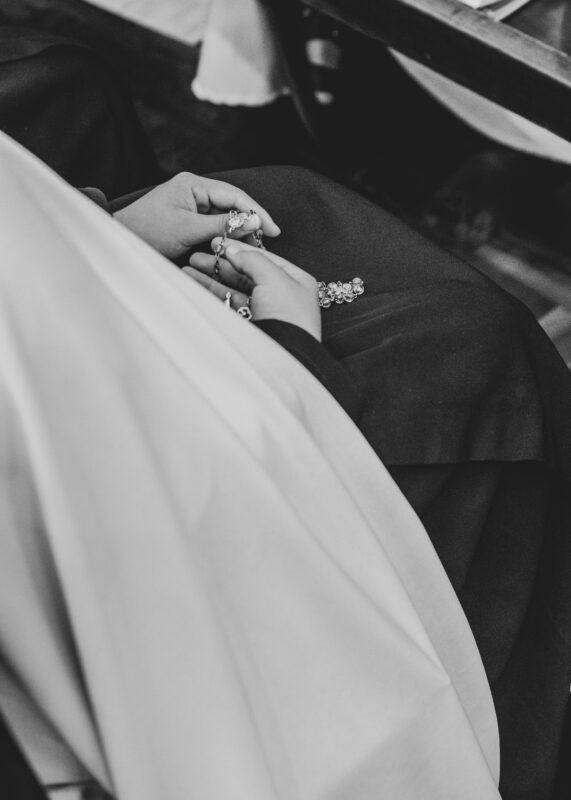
(338, 292)
(328, 294)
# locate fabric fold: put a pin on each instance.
(211, 586)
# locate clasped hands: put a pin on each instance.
(189, 210)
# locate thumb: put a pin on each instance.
(208, 226)
(204, 227)
(252, 263)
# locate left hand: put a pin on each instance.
(279, 289)
(188, 210)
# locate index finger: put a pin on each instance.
(234, 248)
(224, 196)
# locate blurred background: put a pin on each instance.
(213, 85)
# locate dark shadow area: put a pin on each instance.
(378, 132)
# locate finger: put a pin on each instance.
(216, 288)
(219, 290)
(222, 195)
(206, 263)
(248, 223)
(243, 244)
(255, 265)
(226, 272)
(235, 247)
(254, 241)
(207, 226)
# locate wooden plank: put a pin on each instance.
(506, 65)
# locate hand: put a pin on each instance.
(188, 210)
(278, 289)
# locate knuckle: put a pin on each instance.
(182, 178)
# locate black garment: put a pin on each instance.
(58, 100)
(468, 404)
(455, 386)
(301, 344)
(17, 780)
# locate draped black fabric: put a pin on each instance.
(464, 397)
(58, 100)
(469, 405)
(17, 780)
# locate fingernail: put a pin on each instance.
(231, 250)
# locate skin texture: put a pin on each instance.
(189, 210)
(279, 290)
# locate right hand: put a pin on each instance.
(278, 289)
(188, 210)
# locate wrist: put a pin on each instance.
(310, 326)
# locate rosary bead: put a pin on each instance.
(339, 292)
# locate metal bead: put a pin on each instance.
(339, 292)
(237, 220)
(244, 312)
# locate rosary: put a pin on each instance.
(335, 292)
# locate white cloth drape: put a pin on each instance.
(238, 62)
(179, 19)
(239, 66)
(210, 588)
(487, 117)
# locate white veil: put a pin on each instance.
(210, 588)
